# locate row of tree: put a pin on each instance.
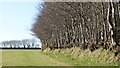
(70, 24)
(26, 43)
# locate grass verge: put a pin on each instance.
(86, 58)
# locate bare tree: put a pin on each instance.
(73, 24)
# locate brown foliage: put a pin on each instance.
(76, 22)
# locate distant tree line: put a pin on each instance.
(26, 43)
(79, 24)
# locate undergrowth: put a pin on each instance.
(77, 57)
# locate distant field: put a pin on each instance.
(28, 58)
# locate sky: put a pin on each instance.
(16, 19)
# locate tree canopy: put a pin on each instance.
(71, 24)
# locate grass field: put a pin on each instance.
(28, 58)
(39, 58)
(0, 58)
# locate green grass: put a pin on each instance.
(28, 58)
(41, 58)
(77, 61)
(0, 58)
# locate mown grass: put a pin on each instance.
(65, 57)
(79, 60)
(28, 58)
(0, 58)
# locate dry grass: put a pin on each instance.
(99, 55)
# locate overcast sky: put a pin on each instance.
(16, 19)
